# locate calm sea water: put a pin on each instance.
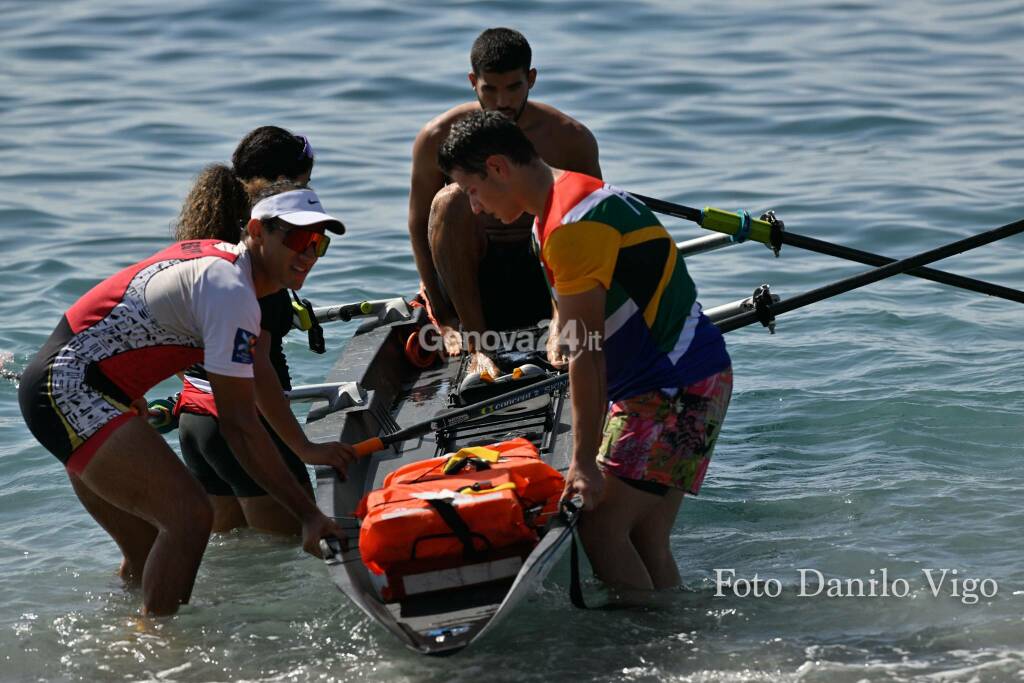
(881, 430)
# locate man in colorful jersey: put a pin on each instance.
(475, 272)
(195, 301)
(642, 344)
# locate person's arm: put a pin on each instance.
(256, 452)
(582, 324)
(582, 258)
(555, 351)
(576, 147)
(226, 311)
(273, 405)
(585, 153)
(426, 180)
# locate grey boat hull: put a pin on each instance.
(443, 621)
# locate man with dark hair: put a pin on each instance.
(82, 395)
(637, 338)
(473, 272)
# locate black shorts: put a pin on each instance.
(67, 402)
(513, 291)
(512, 287)
(654, 487)
(211, 461)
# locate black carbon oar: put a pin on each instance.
(940, 276)
(875, 275)
(450, 418)
(760, 231)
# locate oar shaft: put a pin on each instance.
(731, 310)
(703, 244)
(870, 259)
(671, 209)
(457, 416)
(876, 274)
(727, 223)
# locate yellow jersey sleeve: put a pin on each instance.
(582, 256)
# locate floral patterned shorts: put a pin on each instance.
(666, 439)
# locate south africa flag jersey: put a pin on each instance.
(655, 336)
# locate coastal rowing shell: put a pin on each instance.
(446, 611)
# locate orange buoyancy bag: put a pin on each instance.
(490, 504)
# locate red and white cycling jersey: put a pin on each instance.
(194, 302)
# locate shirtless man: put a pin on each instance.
(475, 271)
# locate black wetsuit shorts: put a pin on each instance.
(211, 461)
(513, 291)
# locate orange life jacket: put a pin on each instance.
(488, 507)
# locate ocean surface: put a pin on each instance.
(881, 431)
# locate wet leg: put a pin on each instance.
(606, 531)
(135, 471)
(133, 535)
(264, 513)
(227, 514)
(651, 536)
(458, 245)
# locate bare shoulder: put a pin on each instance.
(434, 131)
(559, 123)
(562, 141)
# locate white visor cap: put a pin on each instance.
(297, 207)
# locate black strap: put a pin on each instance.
(570, 512)
(575, 587)
(459, 527)
(316, 331)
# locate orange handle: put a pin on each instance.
(365, 448)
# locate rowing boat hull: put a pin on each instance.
(445, 621)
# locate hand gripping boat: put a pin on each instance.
(442, 609)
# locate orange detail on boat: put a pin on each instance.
(417, 355)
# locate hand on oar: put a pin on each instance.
(557, 352)
(332, 454)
